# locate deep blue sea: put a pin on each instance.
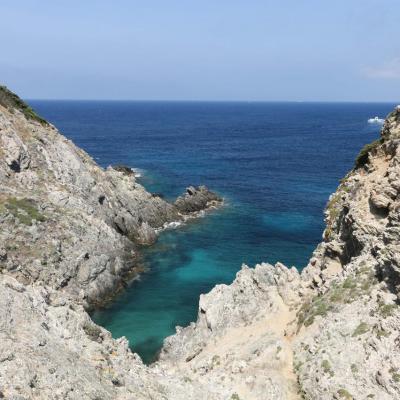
(275, 164)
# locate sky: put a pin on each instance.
(271, 50)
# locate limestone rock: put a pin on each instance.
(66, 222)
(331, 332)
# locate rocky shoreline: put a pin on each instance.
(70, 231)
(65, 221)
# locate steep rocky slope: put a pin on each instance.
(331, 332)
(65, 221)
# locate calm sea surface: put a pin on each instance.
(275, 164)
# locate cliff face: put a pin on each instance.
(65, 222)
(331, 331)
(68, 229)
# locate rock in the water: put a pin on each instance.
(196, 199)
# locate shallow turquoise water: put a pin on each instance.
(275, 163)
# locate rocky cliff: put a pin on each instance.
(68, 230)
(67, 223)
(331, 332)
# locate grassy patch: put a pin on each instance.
(344, 394)
(354, 368)
(351, 289)
(380, 333)
(395, 374)
(317, 306)
(361, 329)
(24, 209)
(326, 366)
(387, 310)
(11, 101)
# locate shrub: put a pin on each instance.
(362, 157)
(11, 101)
(361, 329)
(24, 209)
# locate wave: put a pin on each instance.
(169, 225)
(137, 172)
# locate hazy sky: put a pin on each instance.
(202, 50)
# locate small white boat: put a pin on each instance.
(376, 120)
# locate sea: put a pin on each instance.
(275, 164)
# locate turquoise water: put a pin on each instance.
(275, 164)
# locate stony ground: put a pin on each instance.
(69, 230)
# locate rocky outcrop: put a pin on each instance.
(330, 332)
(65, 222)
(70, 228)
(196, 199)
(50, 349)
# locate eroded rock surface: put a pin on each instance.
(64, 221)
(69, 228)
(330, 332)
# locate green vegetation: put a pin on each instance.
(297, 365)
(395, 374)
(92, 330)
(361, 329)
(326, 366)
(380, 333)
(308, 312)
(23, 209)
(334, 207)
(362, 157)
(11, 101)
(354, 368)
(351, 289)
(387, 310)
(344, 394)
(216, 360)
(235, 396)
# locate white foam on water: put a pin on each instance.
(169, 225)
(376, 120)
(137, 172)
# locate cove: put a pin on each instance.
(275, 164)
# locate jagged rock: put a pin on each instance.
(196, 199)
(146, 234)
(339, 338)
(57, 204)
(331, 332)
(50, 349)
(124, 169)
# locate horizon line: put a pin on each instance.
(212, 101)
